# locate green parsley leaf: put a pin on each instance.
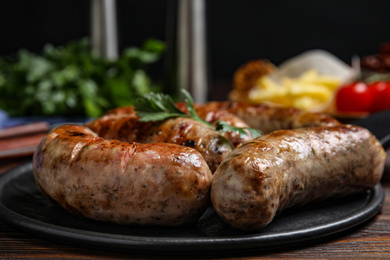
(254, 132)
(156, 106)
(225, 127)
(191, 108)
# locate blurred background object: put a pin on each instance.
(74, 80)
(104, 35)
(237, 31)
(186, 64)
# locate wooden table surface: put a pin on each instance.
(369, 240)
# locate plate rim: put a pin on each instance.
(170, 244)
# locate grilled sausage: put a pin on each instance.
(183, 131)
(267, 118)
(124, 110)
(263, 117)
(213, 116)
(206, 114)
(294, 167)
(126, 183)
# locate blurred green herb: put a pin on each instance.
(156, 107)
(72, 80)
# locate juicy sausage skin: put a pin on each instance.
(268, 118)
(127, 183)
(260, 116)
(182, 131)
(214, 115)
(294, 167)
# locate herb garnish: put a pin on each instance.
(157, 106)
(225, 127)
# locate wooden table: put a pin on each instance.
(369, 240)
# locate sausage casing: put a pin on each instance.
(267, 118)
(259, 116)
(126, 183)
(183, 131)
(294, 167)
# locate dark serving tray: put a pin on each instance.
(23, 206)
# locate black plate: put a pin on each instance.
(23, 206)
(378, 124)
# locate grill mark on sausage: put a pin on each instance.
(182, 131)
(76, 150)
(128, 152)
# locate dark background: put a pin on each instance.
(238, 31)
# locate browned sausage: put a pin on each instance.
(126, 183)
(263, 117)
(294, 167)
(125, 110)
(212, 116)
(267, 118)
(207, 115)
(183, 131)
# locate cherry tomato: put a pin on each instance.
(354, 97)
(381, 95)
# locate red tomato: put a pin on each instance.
(381, 94)
(354, 97)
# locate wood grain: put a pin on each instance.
(20, 141)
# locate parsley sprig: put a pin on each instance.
(225, 127)
(158, 107)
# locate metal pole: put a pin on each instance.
(199, 64)
(96, 31)
(104, 28)
(191, 48)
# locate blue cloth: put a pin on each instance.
(3, 118)
(7, 121)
